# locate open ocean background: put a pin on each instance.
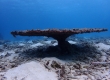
(61, 14)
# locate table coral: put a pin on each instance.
(59, 34)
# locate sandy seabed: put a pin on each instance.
(89, 59)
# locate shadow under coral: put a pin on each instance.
(77, 52)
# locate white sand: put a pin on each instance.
(36, 70)
(36, 45)
(30, 71)
(103, 46)
(72, 42)
(21, 44)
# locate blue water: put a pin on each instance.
(43, 14)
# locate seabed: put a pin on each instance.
(87, 59)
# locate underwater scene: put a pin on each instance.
(54, 39)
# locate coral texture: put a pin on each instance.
(57, 34)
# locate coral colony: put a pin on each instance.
(59, 34)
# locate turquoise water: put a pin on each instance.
(43, 14)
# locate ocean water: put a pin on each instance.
(61, 14)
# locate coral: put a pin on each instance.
(59, 35)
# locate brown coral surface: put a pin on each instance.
(56, 33)
(59, 34)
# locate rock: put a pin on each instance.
(72, 42)
(55, 65)
(47, 42)
(102, 46)
(2, 77)
(55, 44)
(3, 54)
(36, 45)
(30, 42)
(103, 58)
(53, 41)
(21, 44)
(103, 54)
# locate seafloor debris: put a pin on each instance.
(83, 64)
(59, 35)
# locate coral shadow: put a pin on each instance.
(78, 52)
